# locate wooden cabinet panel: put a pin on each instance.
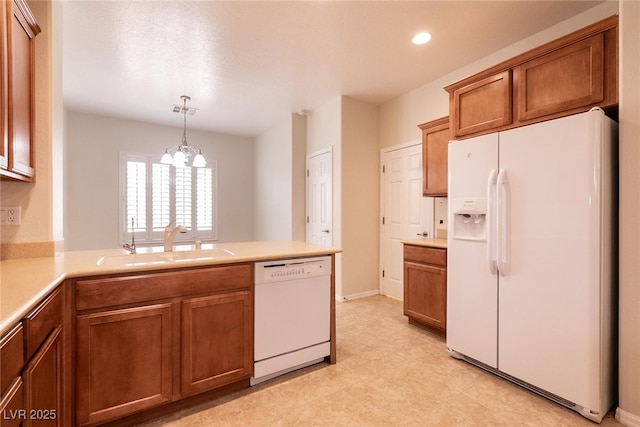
(425, 287)
(12, 405)
(426, 293)
(21, 30)
(482, 105)
(4, 87)
(566, 76)
(562, 80)
(217, 340)
(435, 140)
(11, 356)
(43, 383)
(112, 291)
(41, 321)
(123, 361)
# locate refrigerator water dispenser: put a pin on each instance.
(469, 218)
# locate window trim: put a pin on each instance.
(151, 238)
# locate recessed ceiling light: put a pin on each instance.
(421, 38)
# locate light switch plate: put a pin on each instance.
(10, 215)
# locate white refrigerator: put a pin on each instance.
(532, 265)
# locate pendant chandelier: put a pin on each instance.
(179, 155)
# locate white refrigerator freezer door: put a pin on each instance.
(549, 303)
(471, 287)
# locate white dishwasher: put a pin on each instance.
(292, 315)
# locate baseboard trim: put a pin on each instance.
(627, 418)
(345, 298)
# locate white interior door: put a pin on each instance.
(406, 212)
(319, 228)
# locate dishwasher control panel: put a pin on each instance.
(292, 269)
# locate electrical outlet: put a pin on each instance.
(10, 215)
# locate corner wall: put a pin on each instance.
(628, 412)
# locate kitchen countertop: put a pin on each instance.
(425, 241)
(25, 282)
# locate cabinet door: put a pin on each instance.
(435, 138)
(559, 81)
(217, 340)
(123, 361)
(425, 297)
(22, 29)
(483, 105)
(4, 87)
(43, 383)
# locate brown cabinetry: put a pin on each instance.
(17, 65)
(123, 361)
(425, 287)
(216, 341)
(32, 391)
(150, 339)
(435, 139)
(43, 374)
(11, 385)
(566, 76)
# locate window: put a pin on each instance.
(153, 194)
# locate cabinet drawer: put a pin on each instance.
(42, 320)
(11, 406)
(426, 255)
(105, 292)
(11, 356)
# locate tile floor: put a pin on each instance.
(388, 374)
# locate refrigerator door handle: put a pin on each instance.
(491, 221)
(502, 223)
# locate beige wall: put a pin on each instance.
(37, 200)
(324, 130)
(94, 144)
(629, 337)
(279, 183)
(360, 198)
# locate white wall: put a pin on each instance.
(280, 181)
(92, 161)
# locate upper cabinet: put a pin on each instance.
(566, 76)
(435, 138)
(17, 65)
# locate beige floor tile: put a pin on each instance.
(389, 373)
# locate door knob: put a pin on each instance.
(423, 234)
(325, 231)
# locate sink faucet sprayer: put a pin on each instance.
(170, 234)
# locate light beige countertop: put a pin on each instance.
(25, 282)
(425, 241)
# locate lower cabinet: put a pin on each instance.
(425, 287)
(31, 372)
(123, 361)
(216, 333)
(148, 340)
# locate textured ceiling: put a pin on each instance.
(248, 64)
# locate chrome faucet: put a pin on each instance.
(170, 234)
(131, 248)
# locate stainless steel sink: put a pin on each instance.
(163, 257)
